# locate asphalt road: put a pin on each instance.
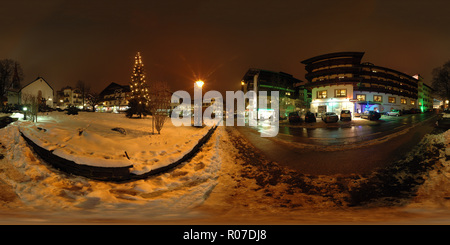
(358, 159)
(346, 132)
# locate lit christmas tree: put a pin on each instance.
(139, 89)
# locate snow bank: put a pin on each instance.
(435, 191)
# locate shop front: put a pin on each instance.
(320, 106)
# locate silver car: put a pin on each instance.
(330, 117)
(393, 113)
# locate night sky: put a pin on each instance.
(216, 40)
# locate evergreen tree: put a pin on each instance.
(139, 89)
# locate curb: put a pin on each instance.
(114, 174)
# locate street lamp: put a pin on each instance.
(199, 83)
(25, 113)
(198, 103)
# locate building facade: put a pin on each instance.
(286, 85)
(425, 101)
(40, 89)
(114, 98)
(339, 81)
(69, 96)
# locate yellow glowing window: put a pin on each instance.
(341, 92)
(377, 98)
(392, 100)
(322, 94)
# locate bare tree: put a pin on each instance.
(84, 90)
(92, 99)
(31, 104)
(11, 75)
(441, 81)
(159, 104)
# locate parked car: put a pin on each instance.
(416, 111)
(72, 110)
(330, 117)
(412, 111)
(294, 117)
(394, 113)
(310, 117)
(346, 115)
(371, 115)
(444, 120)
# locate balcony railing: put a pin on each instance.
(386, 91)
(332, 71)
(357, 71)
(357, 81)
(332, 62)
(334, 81)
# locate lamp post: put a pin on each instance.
(25, 113)
(198, 103)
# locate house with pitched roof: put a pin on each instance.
(39, 88)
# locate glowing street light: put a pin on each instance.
(199, 83)
(198, 103)
(25, 113)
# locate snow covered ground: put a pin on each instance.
(31, 185)
(88, 139)
(226, 182)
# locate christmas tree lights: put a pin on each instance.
(139, 89)
(138, 85)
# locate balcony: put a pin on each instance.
(381, 74)
(334, 81)
(332, 62)
(390, 84)
(333, 71)
(357, 81)
(386, 91)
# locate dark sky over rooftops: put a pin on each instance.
(216, 41)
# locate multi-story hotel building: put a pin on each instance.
(339, 81)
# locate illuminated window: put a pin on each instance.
(391, 100)
(413, 102)
(377, 98)
(340, 92)
(361, 97)
(322, 94)
(403, 101)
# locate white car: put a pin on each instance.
(393, 113)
